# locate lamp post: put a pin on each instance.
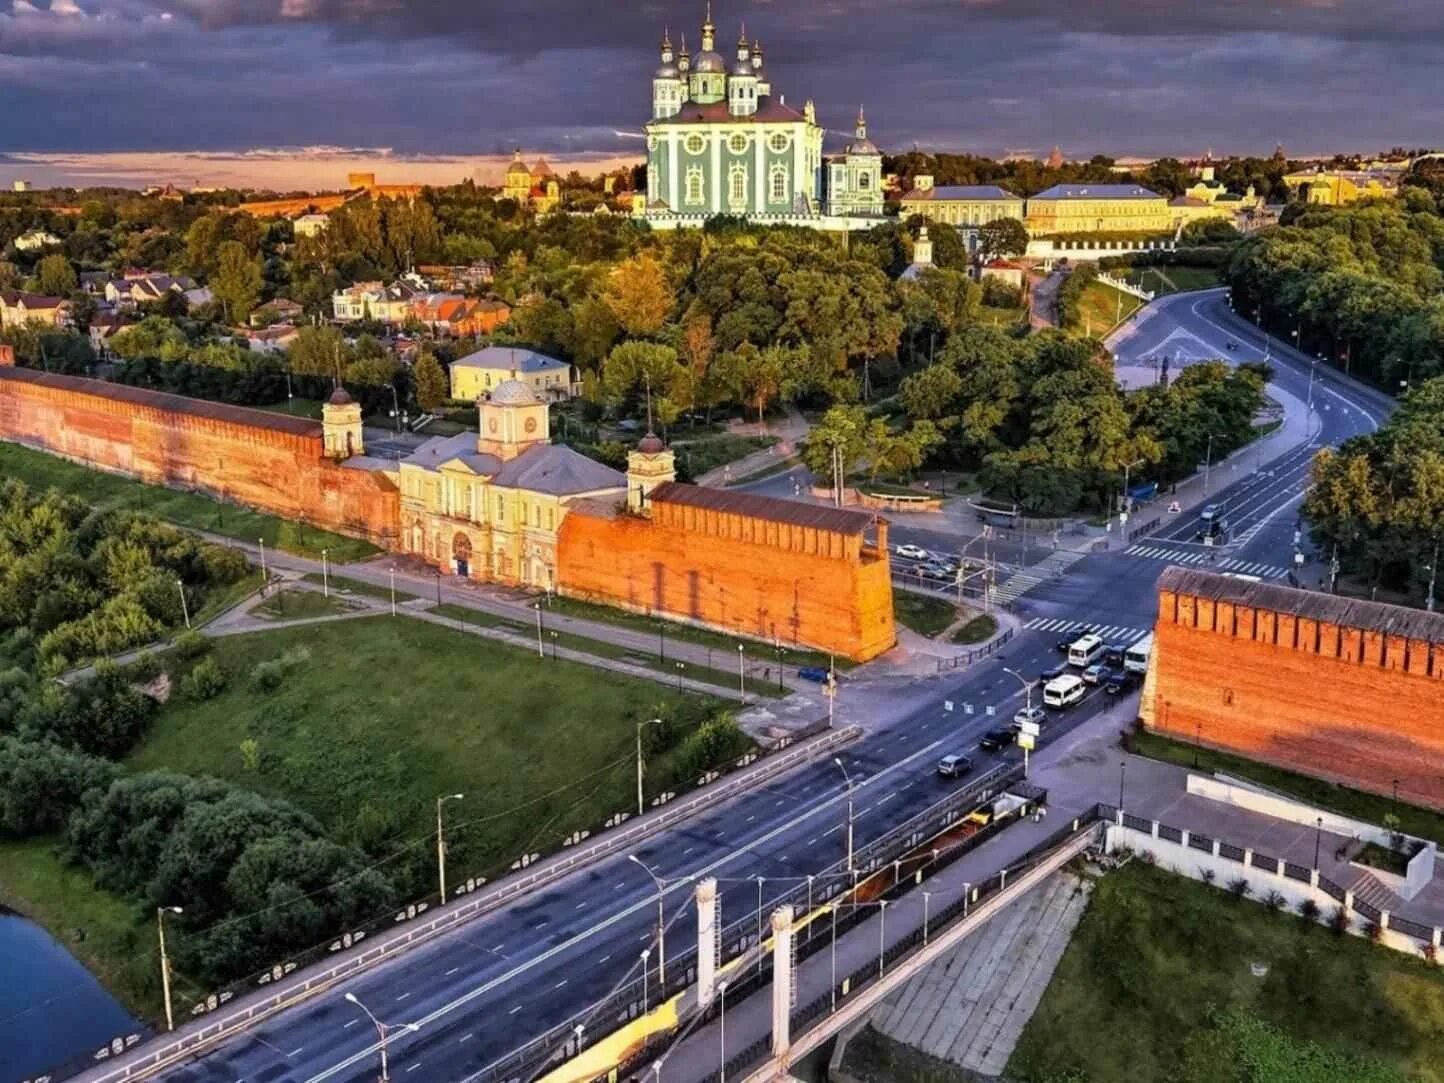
(326, 574)
(383, 1031)
(927, 895)
(1027, 706)
(1123, 500)
(1122, 767)
(265, 576)
(760, 881)
(661, 918)
(646, 954)
(680, 667)
(881, 934)
(838, 760)
(1208, 462)
(540, 653)
(392, 576)
(1433, 575)
(160, 913)
(1318, 836)
(830, 691)
(640, 768)
(662, 642)
(722, 1023)
(741, 674)
(441, 842)
(395, 407)
(185, 609)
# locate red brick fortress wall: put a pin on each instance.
(1345, 690)
(759, 578)
(271, 463)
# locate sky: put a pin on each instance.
(294, 93)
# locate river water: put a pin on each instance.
(52, 1010)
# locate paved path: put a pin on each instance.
(1043, 301)
(971, 1005)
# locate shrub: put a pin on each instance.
(144, 668)
(1340, 920)
(1240, 888)
(1208, 876)
(191, 644)
(715, 741)
(267, 676)
(1309, 911)
(1274, 900)
(1374, 931)
(206, 681)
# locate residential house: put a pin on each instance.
(35, 240)
(145, 287)
(103, 327)
(310, 225)
(460, 317)
(1340, 187)
(281, 310)
(1004, 270)
(275, 339)
(18, 309)
(479, 373)
(460, 278)
(374, 301)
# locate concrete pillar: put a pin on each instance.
(1215, 847)
(781, 980)
(1383, 919)
(1348, 900)
(707, 929)
(1183, 840)
(1154, 829)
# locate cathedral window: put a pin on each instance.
(653, 189)
(779, 142)
(864, 181)
(777, 191)
(737, 144)
(696, 144)
(737, 187)
(694, 185)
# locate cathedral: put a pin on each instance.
(721, 142)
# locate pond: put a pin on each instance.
(52, 1010)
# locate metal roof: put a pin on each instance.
(817, 516)
(1394, 620)
(160, 400)
(961, 191)
(1097, 191)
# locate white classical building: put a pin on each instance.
(720, 142)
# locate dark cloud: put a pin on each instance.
(566, 76)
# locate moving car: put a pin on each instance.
(1053, 672)
(1120, 683)
(933, 571)
(955, 766)
(1210, 512)
(996, 740)
(1097, 673)
(1063, 692)
(1035, 715)
(1113, 654)
(813, 673)
(1085, 651)
(912, 552)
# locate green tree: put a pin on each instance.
(638, 294)
(237, 282)
(1002, 237)
(431, 386)
(931, 393)
(56, 276)
(843, 430)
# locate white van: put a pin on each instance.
(1083, 652)
(1063, 691)
(1135, 659)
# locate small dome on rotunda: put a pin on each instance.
(512, 393)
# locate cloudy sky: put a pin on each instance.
(226, 89)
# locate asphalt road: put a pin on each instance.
(484, 990)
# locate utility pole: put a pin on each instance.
(160, 913)
(185, 609)
(441, 842)
(650, 722)
(838, 760)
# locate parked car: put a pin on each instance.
(1035, 715)
(949, 567)
(955, 766)
(1120, 683)
(813, 673)
(912, 552)
(933, 571)
(1098, 673)
(997, 740)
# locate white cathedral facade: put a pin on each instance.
(720, 142)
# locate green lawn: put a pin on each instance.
(1100, 307)
(696, 457)
(873, 1057)
(978, 630)
(110, 935)
(923, 613)
(1371, 808)
(356, 586)
(379, 715)
(1162, 280)
(1156, 987)
(193, 510)
(1001, 317)
(601, 648)
(302, 605)
(297, 407)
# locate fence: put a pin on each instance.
(969, 657)
(364, 947)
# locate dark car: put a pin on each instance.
(1113, 655)
(1120, 683)
(1052, 673)
(996, 740)
(955, 766)
(1062, 645)
(1097, 674)
(813, 673)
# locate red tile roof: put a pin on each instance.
(818, 516)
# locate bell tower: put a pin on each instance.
(650, 465)
(341, 425)
(512, 419)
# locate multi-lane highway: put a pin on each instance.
(482, 991)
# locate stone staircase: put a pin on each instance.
(1367, 888)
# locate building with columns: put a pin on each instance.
(721, 142)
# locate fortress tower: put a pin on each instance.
(341, 425)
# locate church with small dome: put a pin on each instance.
(722, 141)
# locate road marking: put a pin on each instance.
(349, 1024)
(885, 800)
(452, 971)
(751, 818)
(559, 984)
(688, 850)
(467, 1037)
(514, 1010)
(414, 1067)
(830, 830)
(620, 886)
(403, 996)
(603, 959)
(296, 1051)
(581, 906)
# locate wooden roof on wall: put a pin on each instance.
(161, 400)
(750, 505)
(1396, 620)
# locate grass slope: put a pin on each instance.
(187, 509)
(382, 714)
(1100, 307)
(923, 613)
(1156, 987)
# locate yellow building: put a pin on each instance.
(535, 186)
(1340, 187)
(479, 373)
(488, 506)
(960, 205)
(1190, 208)
(1097, 208)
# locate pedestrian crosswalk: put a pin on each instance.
(1209, 558)
(1110, 633)
(1020, 582)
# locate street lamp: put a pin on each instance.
(722, 1023)
(680, 666)
(927, 895)
(646, 954)
(160, 913)
(185, 609)
(1318, 836)
(1122, 767)
(741, 674)
(838, 760)
(661, 918)
(760, 881)
(383, 1031)
(1208, 460)
(326, 575)
(650, 722)
(1027, 708)
(441, 842)
(540, 653)
(1123, 501)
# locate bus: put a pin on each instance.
(1085, 650)
(1063, 692)
(1135, 658)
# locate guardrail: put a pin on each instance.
(193, 1038)
(967, 659)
